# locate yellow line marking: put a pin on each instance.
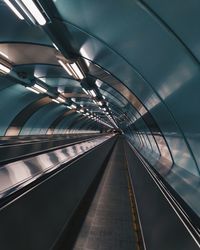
(132, 205)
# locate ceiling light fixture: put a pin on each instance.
(60, 99)
(4, 69)
(78, 72)
(85, 90)
(73, 106)
(12, 7)
(33, 90)
(40, 88)
(65, 67)
(93, 93)
(94, 101)
(32, 11)
(55, 46)
(4, 55)
(54, 100)
(72, 69)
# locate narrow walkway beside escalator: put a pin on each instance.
(109, 223)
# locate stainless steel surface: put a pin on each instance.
(13, 149)
(35, 219)
(18, 174)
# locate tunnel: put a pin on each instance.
(100, 125)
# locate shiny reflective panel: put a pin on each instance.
(16, 175)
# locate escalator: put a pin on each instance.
(107, 217)
(128, 211)
(106, 198)
(19, 147)
(110, 222)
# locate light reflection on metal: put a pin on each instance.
(15, 175)
(84, 53)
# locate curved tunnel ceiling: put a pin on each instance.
(140, 57)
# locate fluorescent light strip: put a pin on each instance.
(40, 88)
(65, 67)
(55, 46)
(33, 90)
(54, 100)
(77, 70)
(93, 93)
(100, 103)
(94, 101)
(73, 106)
(12, 7)
(85, 90)
(60, 99)
(35, 12)
(4, 69)
(25, 10)
(60, 90)
(69, 107)
(4, 55)
(69, 68)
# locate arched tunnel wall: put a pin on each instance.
(142, 59)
